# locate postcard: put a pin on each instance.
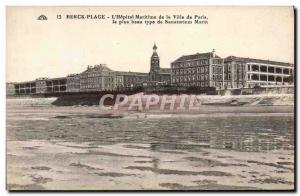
(150, 98)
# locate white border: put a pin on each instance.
(4, 3)
(151, 2)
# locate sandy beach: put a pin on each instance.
(217, 147)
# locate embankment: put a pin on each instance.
(205, 100)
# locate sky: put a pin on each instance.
(58, 47)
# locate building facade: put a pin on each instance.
(199, 70)
(10, 88)
(101, 78)
(242, 72)
(209, 70)
(97, 78)
(73, 83)
(41, 86)
(131, 79)
(56, 85)
(25, 88)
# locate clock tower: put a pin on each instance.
(154, 64)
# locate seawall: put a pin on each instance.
(205, 100)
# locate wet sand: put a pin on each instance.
(65, 166)
(212, 151)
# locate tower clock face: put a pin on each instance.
(154, 61)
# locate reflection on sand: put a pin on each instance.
(227, 152)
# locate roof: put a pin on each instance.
(154, 47)
(155, 55)
(154, 52)
(129, 73)
(58, 78)
(164, 71)
(97, 68)
(73, 75)
(252, 60)
(42, 78)
(196, 56)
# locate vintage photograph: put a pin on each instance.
(150, 98)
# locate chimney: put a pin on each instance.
(213, 53)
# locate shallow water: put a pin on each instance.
(55, 148)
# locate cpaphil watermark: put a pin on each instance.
(142, 102)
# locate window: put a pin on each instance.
(263, 77)
(206, 68)
(263, 68)
(286, 71)
(271, 69)
(271, 78)
(254, 77)
(255, 68)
